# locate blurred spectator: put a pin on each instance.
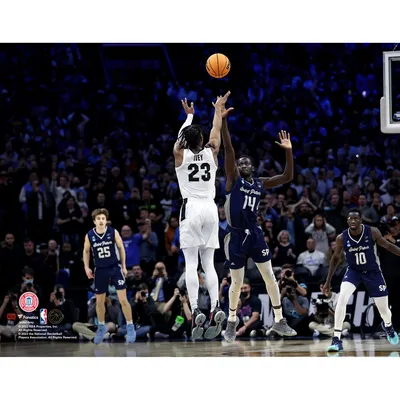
(9, 320)
(369, 215)
(131, 246)
(135, 278)
(312, 259)
(283, 253)
(180, 321)
(324, 313)
(58, 301)
(10, 263)
(321, 232)
(249, 312)
(148, 247)
(161, 286)
(28, 284)
(204, 300)
(295, 307)
(144, 310)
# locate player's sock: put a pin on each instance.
(192, 281)
(101, 323)
(271, 284)
(237, 276)
(207, 262)
(346, 290)
(129, 322)
(382, 304)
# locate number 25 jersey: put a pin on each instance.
(104, 249)
(361, 254)
(196, 175)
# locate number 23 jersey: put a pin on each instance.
(196, 175)
(361, 254)
(104, 249)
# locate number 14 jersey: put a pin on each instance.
(361, 254)
(104, 249)
(241, 205)
(196, 175)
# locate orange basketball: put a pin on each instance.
(218, 65)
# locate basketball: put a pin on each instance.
(218, 65)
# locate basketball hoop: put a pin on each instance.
(390, 110)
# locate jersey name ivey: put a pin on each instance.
(103, 243)
(359, 248)
(250, 191)
(198, 157)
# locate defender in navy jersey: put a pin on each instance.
(359, 245)
(108, 253)
(245, 237)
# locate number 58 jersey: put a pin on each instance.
(196, 175)
(104, 249)
(361, 254)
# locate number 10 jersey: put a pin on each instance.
(361, 254)
(196, 175)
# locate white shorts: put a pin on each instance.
(199, 224)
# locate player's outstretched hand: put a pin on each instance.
(188, 110)
(89, 273)
(225, 112)
(285, 140)
(221, 100)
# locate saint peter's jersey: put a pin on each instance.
(196, 175)
(104, 249)
(241, 205)
(361, 254)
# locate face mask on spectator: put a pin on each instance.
(28, 281)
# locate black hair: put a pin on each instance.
(191, 137)
(246, 281)
(246, 156)
(354, 210)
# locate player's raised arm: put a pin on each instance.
(287, 174)
(86, 258)
(189, 119)
(215, 135)
(231, 170)
(334, 261)
(381, 241)
(121, 249)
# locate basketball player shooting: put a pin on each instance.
(359, 245)
(109, 261)
(196, 168)
(245, 237)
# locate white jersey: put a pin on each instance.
(196, 175)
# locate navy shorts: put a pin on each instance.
(105, 276)
(373, 281)
(241, 244)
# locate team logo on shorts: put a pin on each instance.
(382, 288)
(55, 316)
(43, 316)
(28, 302)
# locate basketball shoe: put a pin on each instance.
(336, 345)
(198, 319)
(217, 317)
(391, 334)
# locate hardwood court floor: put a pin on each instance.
(245, 348)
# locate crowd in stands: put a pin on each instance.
(70, 144)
